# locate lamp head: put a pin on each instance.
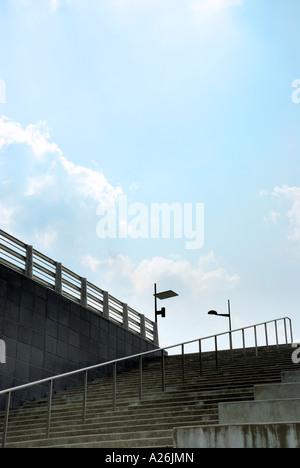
(212, 312)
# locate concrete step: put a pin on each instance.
(99, 438)
(149, 422)
(157, 442)
(259, 411)
(280, 391)
(102, 427)
(290, 376)
(119, 419)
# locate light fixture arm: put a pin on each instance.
(213, 312)
(162, 295)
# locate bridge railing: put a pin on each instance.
(285, 336)
(35, 265)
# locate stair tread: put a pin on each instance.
(149, 422)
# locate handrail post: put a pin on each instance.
(5, 427)
(83, 292)
(105, 304)
(285, 331)
(142, 326)
(125, 316)
(266, 335)
(85, 376)
(276, 332)
(255, 337)
(140, 377)
(291, 330)
(244, 343)
(29, 261)
(49, 408)
(114, 386)
(216, 351)
(182, 362)
(58, 278)
(200, 357)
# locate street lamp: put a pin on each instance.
(213, 312)
(162, 295)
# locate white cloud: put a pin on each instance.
(54, 4)
(199, 6)
(91, 262)
(192, 280)
(90, 184)
(53, 194)
(38, 184)
(212, 6)
(292, 194)
(34, 135)
(43, 240)
(200, 287)
(79, 181)
(7, 214)
(273, 217)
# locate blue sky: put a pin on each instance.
(170, 101)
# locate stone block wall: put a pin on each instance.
(46, 334)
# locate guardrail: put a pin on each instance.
(159, 352)
(37, 266)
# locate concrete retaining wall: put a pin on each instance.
(46, 334)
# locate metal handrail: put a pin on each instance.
(140, 356)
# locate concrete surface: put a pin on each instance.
(277, 391)
(260, 411)
(239, 436)
(290, 376)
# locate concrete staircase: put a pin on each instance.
(271, 420)
(150, 422)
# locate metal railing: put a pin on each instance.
(274, 334)
(26, 260)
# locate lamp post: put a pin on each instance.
(161, 295)
(213, 312)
